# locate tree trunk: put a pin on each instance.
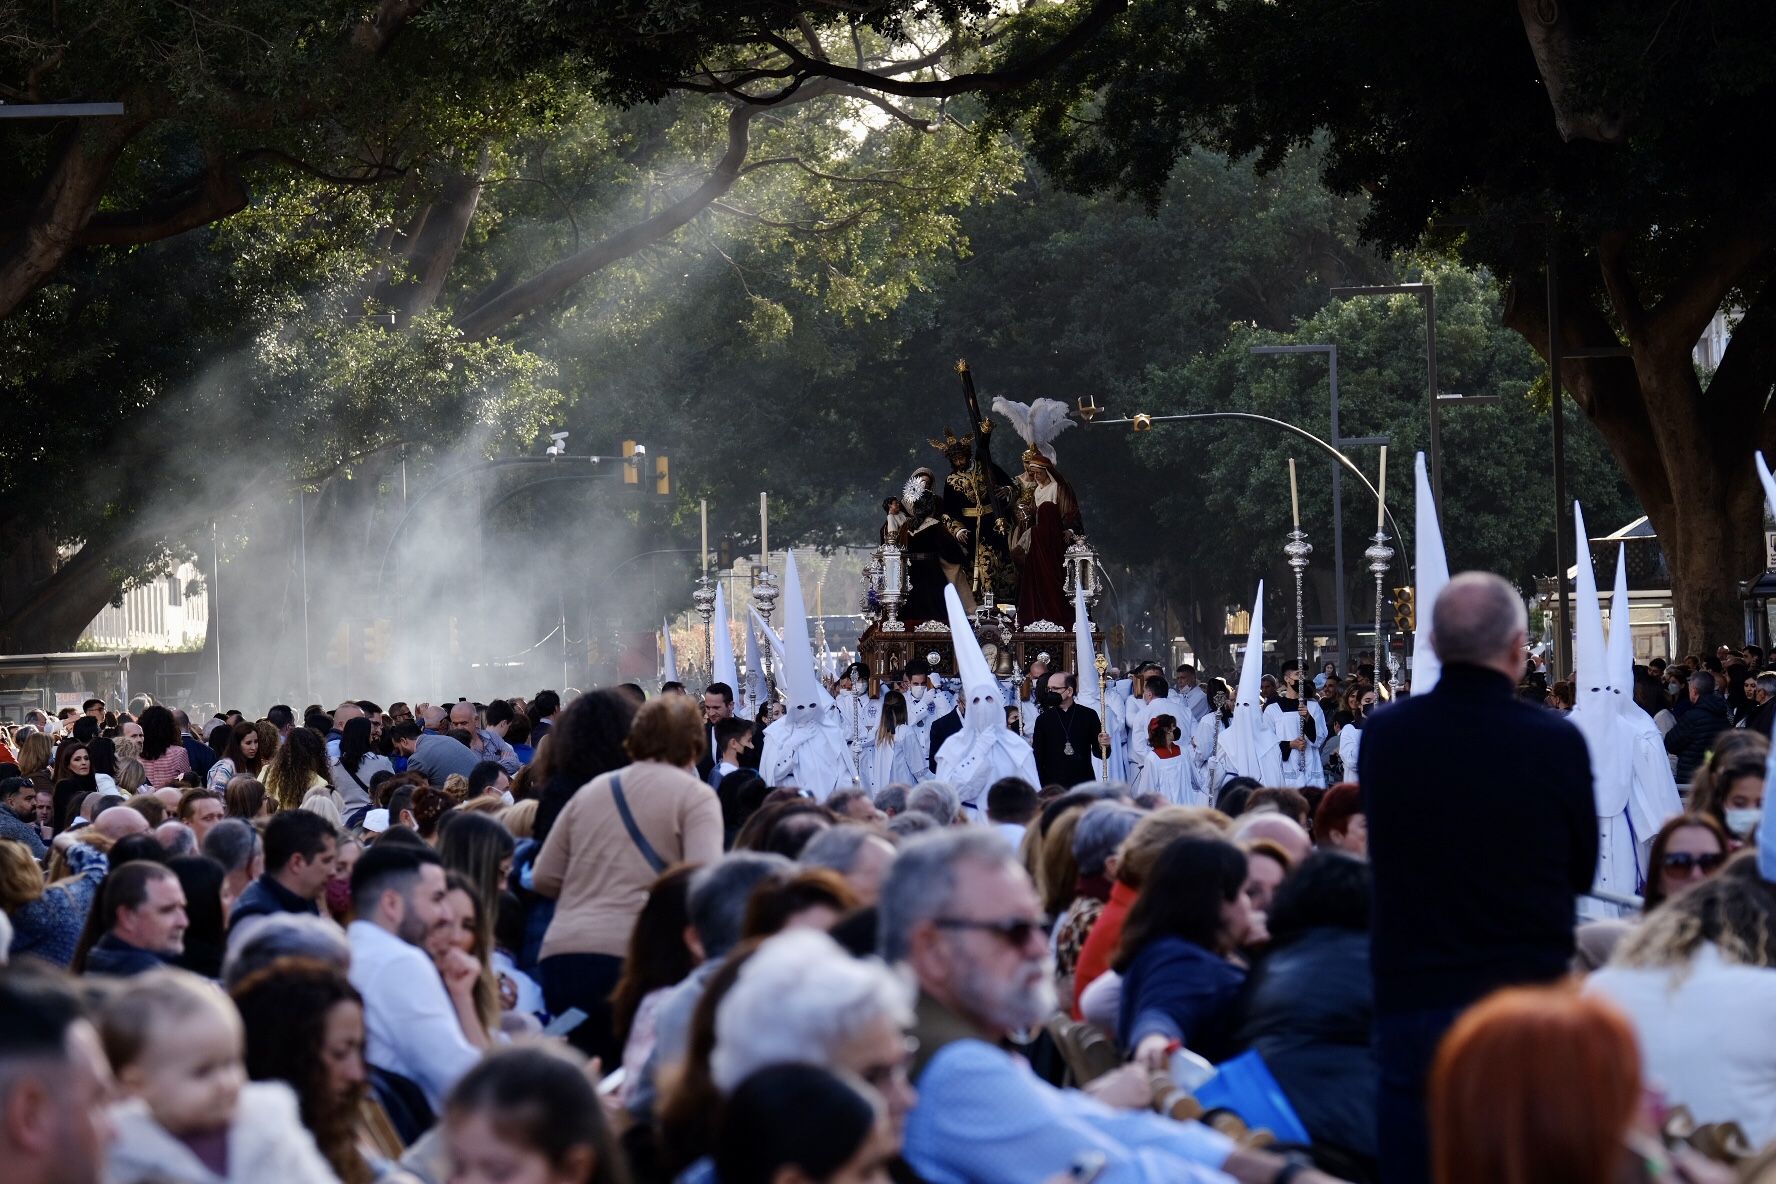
(1685, 453)
(48, 617)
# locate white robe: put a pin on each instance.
(1269, 770)
(924, 709)
(1349, 740)
(897, 761)
(1171, 778)
(810, 756)
(1304, 768)
(1634, 794)
(1205, 754)
(970, 761)
(1115, 725)
(858, 715)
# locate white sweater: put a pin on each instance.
(1704, 1034)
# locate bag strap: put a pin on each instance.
(635, 836)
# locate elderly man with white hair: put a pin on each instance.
(800, 999)
(961, 914)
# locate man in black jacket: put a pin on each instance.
(1475, 873)
(301, 854)
(942, 728)
(1693, 735)
(1068, 734)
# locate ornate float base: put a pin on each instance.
(1008, 654)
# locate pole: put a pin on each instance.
(1339, 606)
(216, 608)
(1563, 628)
(302, 534)
(1429, 295)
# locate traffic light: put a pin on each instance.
(631, 464)
(376, 641)
(662, 477)
(1405, 612)
(338, 647)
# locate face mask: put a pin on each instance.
(339, 894)
(1743, 822)
(1048, 698)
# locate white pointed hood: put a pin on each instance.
(800, 678)
(668, 657)
(1247, 738)
(985, 749)
(1430, 572)
(772, 638)
(1084, 654)
(980, 690)
(1767, 833)
(1591, 672)
(1606, 733)
(1620, 646)
(722, 665)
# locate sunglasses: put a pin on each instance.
(1683, 861)
(1015, 932)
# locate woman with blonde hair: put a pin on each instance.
(130, 776)
(1696, 979)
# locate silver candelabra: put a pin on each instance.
(1298, 549)
(1381, 559)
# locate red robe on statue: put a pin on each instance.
(1045, 529)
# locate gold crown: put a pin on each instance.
(950, 442)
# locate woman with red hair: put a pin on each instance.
(1535, 1085)
(1542, 1085)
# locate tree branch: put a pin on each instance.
(218, 193)
(1687, 306)
(1612, 259)
(375, 34)
(1101, 13)
(64, 203)
(374, 174)
(557, 280)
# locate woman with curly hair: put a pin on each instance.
(1696, 981)
(305, 1027)
(298, 766)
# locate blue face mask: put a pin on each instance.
(1743, 821)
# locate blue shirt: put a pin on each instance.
(984, 1117)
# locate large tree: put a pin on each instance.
(1625, 139)
(296, 174)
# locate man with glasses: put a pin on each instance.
(961, 914)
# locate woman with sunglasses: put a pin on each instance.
(1688, 849)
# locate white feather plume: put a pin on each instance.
(1038, 423)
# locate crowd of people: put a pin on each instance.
(588, 943)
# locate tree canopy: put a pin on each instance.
(1624, 140)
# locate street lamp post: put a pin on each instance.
(1338, 442)
(1427, 296)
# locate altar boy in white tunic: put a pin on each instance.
(1299, 738)
(806, 748)
(985, 750)
(1168, 771)
(858, 713)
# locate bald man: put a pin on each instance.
(1482, 832)
(119, 820)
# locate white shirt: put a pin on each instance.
(1704, 1035)
(1013, 832)
(409, 1021)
